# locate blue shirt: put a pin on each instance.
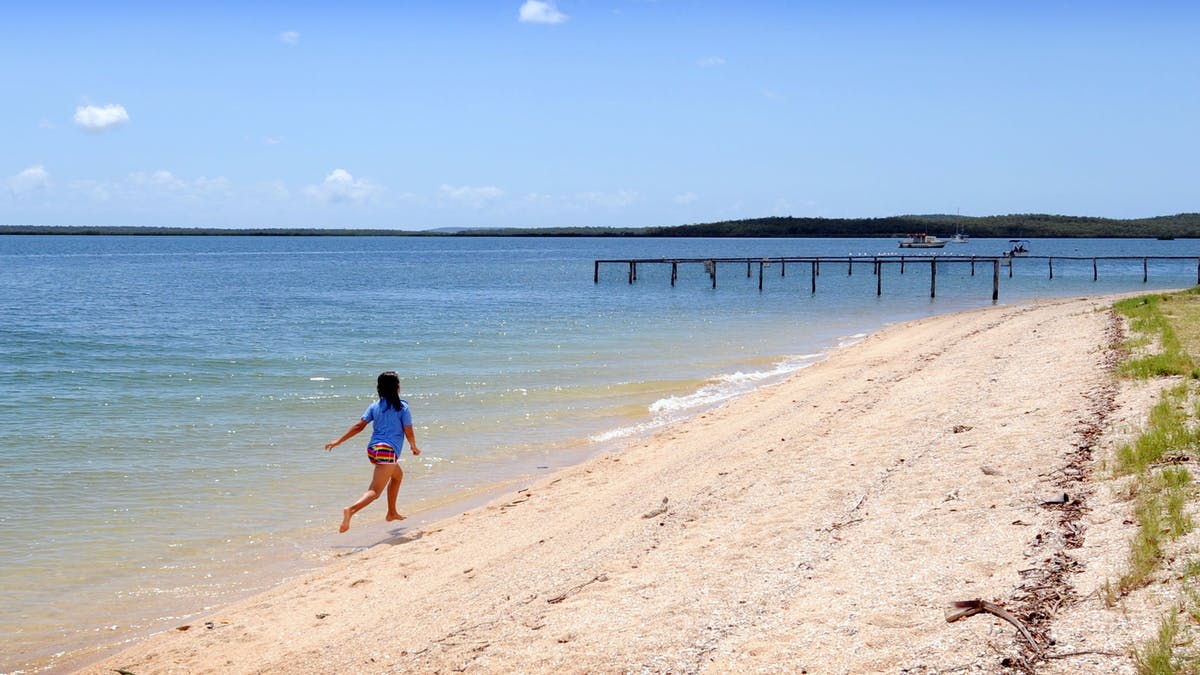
(387, 423)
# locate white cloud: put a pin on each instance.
(158, 179)
(100, 118)
(94, 190)
(211, 185)
(474, 196)
(289, 37)
(537, 11)
(272, 140)
(581, 201)
(711, 62)
(275, 189)
(686, 198)
(339, 186)
(611, 200)
(160, 188)
(142, 185)
(28, 181)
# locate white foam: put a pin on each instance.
(714, 393)
(318, 379)
(850, 339)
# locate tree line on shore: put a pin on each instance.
(1183, 225)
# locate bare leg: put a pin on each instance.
(382, 473)
(393, 489)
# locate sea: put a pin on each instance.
(165, 400)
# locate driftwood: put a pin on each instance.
(575, 589)
(657, 512)
(964, 608)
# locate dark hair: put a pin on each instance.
(388, 387)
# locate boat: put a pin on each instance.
(1017, 248)
(922, 240)
(960, 237)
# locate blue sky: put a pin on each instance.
(625, 113)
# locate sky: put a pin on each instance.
(610, 113)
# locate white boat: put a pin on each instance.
(960, 237)
(922, 240)
(1017, 248)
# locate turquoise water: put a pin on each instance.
(164, 400)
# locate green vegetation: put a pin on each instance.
(1030, 225)
(1167, 432)
(1017, 225)
(1158, 656)
(1153, 317)
(1160, 488)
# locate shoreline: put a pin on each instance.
(370, 534)
(379, 534)
(483, 550)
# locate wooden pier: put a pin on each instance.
(877, 264)
(1095, 268)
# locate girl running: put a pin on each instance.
(391, 423)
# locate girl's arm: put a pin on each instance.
(354, 429)
(412, 440)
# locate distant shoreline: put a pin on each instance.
(1024, 226)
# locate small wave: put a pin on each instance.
(318, 379)
(624, 432)
(716, 392)
(850, 339)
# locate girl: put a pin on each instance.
(391, 424)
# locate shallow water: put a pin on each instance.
(164, 400)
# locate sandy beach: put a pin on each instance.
(822, 525)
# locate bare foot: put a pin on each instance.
(345, 519)
(392, 515)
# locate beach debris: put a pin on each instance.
(951, 496)
(960, 428)
(122, 671)
(1060, 498)
(846, 520)
(322, 615)
(209, 625)
(657, 512)
(964, 608)
(186, 626)
(989, 470)
(575, 589)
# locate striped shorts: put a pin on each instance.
(381, 453)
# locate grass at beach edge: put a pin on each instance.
(1165, 345)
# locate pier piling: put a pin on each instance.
(878, 262)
